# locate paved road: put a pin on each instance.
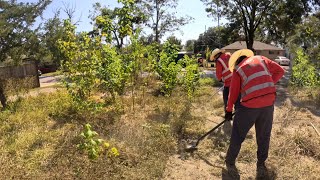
(46, 81)
(209, 73)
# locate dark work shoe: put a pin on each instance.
(262, 171)
(232, 171)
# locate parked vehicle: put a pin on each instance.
(39, 73)
(282, 60)
(182, 54)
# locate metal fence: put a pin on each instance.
(26, 70)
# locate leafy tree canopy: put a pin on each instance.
(252, 14)
(17, 39)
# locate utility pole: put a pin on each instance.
(218, 25)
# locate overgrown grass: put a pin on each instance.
(18, 86)
(306, 96)
(39, 136)
(209, 82)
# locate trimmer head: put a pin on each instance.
(191, 148)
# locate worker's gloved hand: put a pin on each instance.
(228, 116)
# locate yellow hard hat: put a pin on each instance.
(215, 52)
(235, 56)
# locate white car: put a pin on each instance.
(282, 60)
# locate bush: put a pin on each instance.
(191, 76)
(303, 71)
(168, 69)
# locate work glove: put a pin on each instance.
(228, 116)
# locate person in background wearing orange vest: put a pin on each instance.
(223, 73)
(255, 78)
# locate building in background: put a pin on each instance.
(260, 48)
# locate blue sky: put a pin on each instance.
(193, 8)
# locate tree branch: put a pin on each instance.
(255, 26)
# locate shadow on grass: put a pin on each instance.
(310, 105)
(208, 162)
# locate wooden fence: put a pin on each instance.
(28, 70)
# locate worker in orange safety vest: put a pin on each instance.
(223, 73)
(255, 78)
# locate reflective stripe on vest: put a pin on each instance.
(255, 75)
(247, 79)
(225, 67)
(258, 87)
(225, 70)
(227, 77)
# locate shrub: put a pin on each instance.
(167, 68)
(303, 71)
(95, 146)
(191, 76)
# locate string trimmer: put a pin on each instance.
(218, 90)
(193, 146)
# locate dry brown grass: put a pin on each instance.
(39, 136)
(18, 86)
(295, 146)
(307, 96)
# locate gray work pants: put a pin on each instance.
(244, 119)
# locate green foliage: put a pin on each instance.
(167, 68)
(266, 20)
(190, 45)
(209, 82)
(53, 30)
(215, 37)
(80, 64)
(111, 71)
(18, 39)
(90, 64)
(95, 146)
(303, 72)
(249, 13)
(105, 24)
(191, 76)
(306, 35)
(281, 21)
(134, 56)
(118, 23)
(17, 36)
(174, 40)
(163, 16)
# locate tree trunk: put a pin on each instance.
(117, 39)
(157, 22)
(2, 96)
(121, 42)
(250, 40)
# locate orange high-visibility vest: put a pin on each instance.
(226, 73)
(256, 78)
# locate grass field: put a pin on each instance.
(39, 137)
